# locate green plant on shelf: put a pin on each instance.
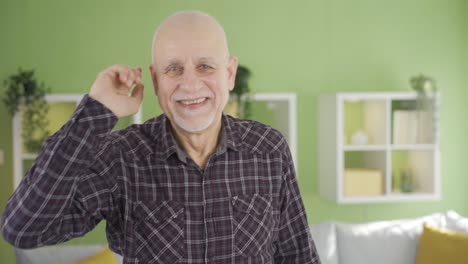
(426, 88)
(26, 96)
(406, 183)
(239, 103)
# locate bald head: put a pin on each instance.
(194, 27)
(192, 72)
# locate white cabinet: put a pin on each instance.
(378, 147)
(61, 107)
(277, 110)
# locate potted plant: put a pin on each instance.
(426, 88)
(239, 101)
(26, 96)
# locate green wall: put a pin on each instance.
(305, 46)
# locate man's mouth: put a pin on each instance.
(193, 102)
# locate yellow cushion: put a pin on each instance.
(442, 246)
(105, 256)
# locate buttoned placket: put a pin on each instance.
(210, 249)
(208, 223)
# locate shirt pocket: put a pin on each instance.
(252, 223)
(159, 232)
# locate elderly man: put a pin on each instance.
(189, 186)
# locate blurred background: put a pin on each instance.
(306, 47)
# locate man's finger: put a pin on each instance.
(136, 75)
(139, 73)
(132, 77)
(137, 92)
(121, 73)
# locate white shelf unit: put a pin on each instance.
(378, 115)
(283, 107)
(20, 157)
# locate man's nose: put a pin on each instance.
(190, 81)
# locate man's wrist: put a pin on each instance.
(96, 115)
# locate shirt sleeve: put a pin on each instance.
(70, 188)
(295, 243)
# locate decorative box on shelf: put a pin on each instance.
(363, 182)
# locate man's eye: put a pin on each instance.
(173, 70)
(205, 67)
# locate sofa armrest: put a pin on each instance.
(324, 236)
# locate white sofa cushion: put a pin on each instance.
(383, 242)
(58, 254)
(456, 222)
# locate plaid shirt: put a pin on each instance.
(160, 207)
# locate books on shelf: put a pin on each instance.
(412, 127)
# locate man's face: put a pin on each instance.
(192, 76)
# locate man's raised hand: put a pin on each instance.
(112, 88)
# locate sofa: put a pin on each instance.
(392, 242)
(59, 254)
(383, 242)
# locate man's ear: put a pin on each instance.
(232, 70)
(153, 78)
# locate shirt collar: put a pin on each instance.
(230, 136)
(167, 145)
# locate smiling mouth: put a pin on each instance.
(193, 102)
